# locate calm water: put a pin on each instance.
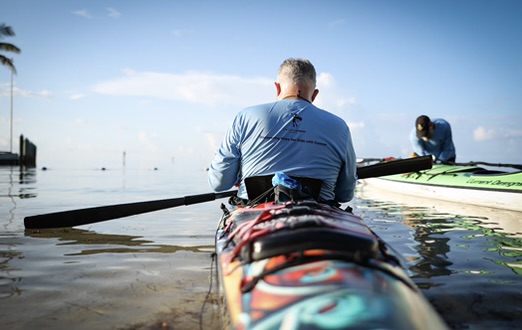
(152, 271)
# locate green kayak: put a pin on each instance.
(464, 183)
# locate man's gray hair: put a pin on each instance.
(298, 71)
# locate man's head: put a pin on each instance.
(296, 77)
(423, 127)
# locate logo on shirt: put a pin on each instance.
(296, 120)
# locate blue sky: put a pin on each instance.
(162, 80)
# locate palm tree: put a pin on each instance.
(7, 47)
(8, 62)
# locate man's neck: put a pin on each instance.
(296, 96)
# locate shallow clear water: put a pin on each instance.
(153, 270)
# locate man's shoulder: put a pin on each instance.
(329, 115)
(440, 121)
(261, 107)
(442, 124)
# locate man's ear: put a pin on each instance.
(278, 88)
(314, 95)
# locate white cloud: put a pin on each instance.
(5, 91)
(44, 93)
(325, 79)
(113, 13)
(76, 96)
(332, 97)
(83, 13)
(213, 90)
(356, 125)
(192, 87)
(483, 134)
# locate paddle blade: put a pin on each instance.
(97, 214)
(395, 167)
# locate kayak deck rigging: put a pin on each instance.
(304, 263)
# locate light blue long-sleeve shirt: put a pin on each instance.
(290, 136)
(440, 145)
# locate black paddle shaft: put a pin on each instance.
(102, 213)
(395, 167)
(97, 214)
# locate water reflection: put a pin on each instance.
(18, 182)
(72, 242)
(27, 182)
(448, 243)
(8, 281)
(466, 260)
(95, 243)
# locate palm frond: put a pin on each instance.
(9, 48)
(6, 31)
(8, 63)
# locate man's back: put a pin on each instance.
(290, 136)
(440, 143)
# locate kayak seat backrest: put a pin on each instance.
(259, 185)
(291, 240)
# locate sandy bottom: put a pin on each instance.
(122, 291)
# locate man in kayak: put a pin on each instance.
(290, 135)
(433, 137)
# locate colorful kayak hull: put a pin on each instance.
(462, 184)
(336, 274)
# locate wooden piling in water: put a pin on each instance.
(25, 158)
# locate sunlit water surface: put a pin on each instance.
(152, 271)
